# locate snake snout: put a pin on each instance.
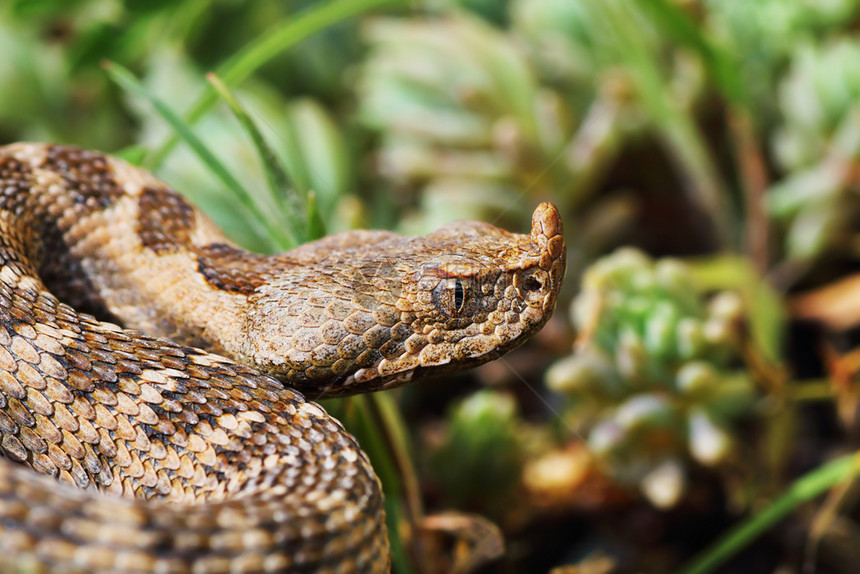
(546, 222)
(547, 233)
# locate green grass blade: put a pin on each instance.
(134, 154)
(126, 79)
(316, 225)
(284, 199)
(279, 38)
(392, 423)
(803, 489)
(368, 431)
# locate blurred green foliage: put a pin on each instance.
(724, 129)
(478, 459)
(818, 144)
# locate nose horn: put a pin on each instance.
(547, 232)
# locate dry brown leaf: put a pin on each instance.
(595, 563)
(476, 541)
(837, 305)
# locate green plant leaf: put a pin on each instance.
(280, 37)
(287, 202)
(126, 79)
(802, 490)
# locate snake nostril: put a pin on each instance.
(532, 284)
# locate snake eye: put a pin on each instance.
(451, 297)
(459, 295)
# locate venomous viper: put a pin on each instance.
(172, 457)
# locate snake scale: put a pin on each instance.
(152, 374)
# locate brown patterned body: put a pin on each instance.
(173, 458)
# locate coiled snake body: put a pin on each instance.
(218, 467)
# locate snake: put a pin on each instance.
(154, 375)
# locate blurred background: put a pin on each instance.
(699, 376)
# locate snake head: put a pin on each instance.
(483, 293)
(363, 310)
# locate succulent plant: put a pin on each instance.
(763, 35)
(473, 119)
(476, 121)
(478, 457)
(818, 144)
(653, 381)
(458, 109)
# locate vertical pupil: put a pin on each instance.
(459, 295)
